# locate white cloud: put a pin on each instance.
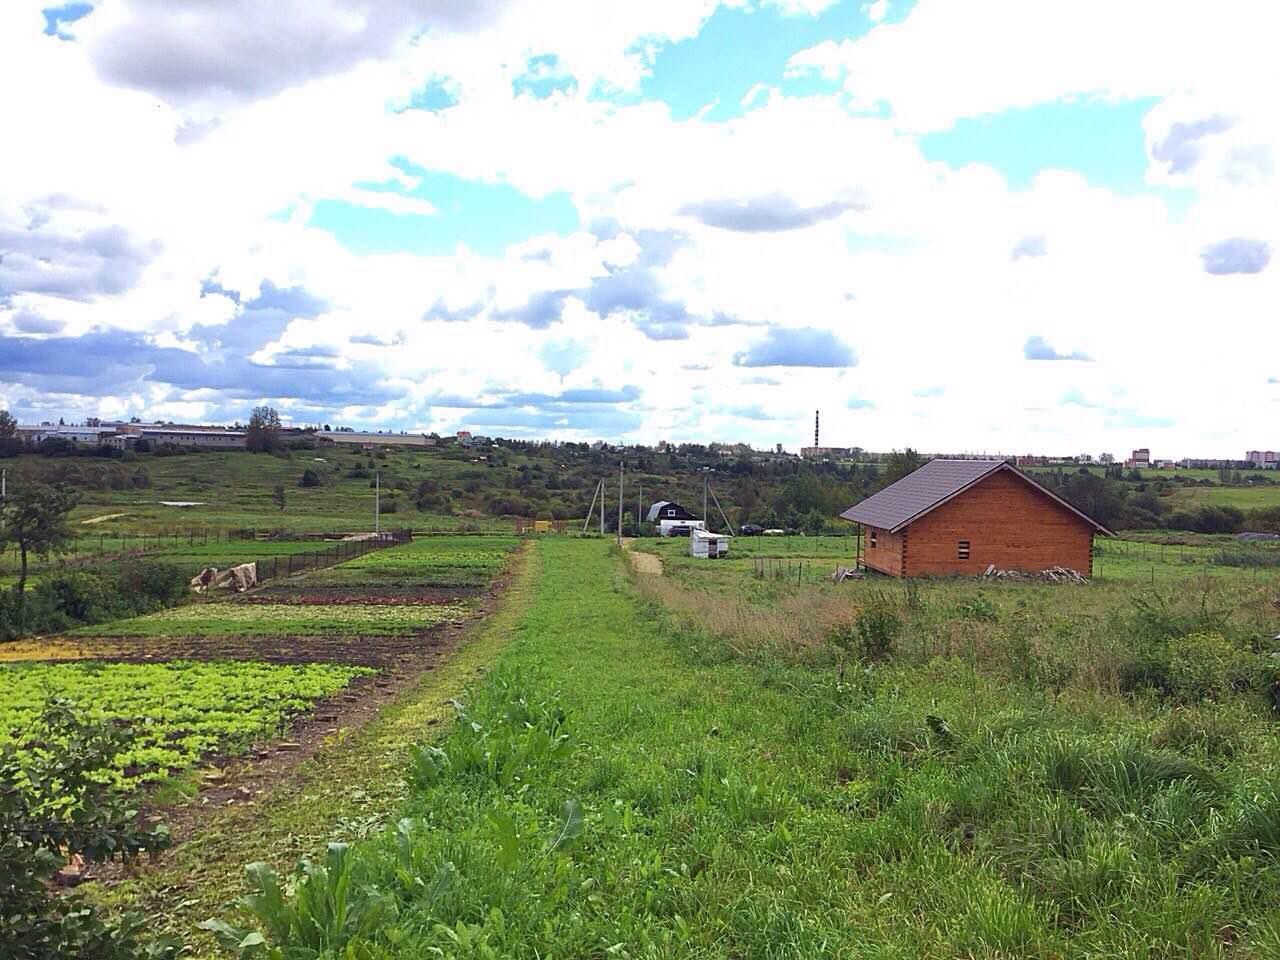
(799, 215)
(950, 60)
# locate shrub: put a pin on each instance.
(83, 597)
(74, 597)
(53, 806)
(1206, 666)
(878, 627)
(979, 608)
(154, 583)
(310, 478)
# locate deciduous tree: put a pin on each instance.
(263, 433)
(34, 519)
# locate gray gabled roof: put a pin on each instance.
(902, 503)
(652, 515)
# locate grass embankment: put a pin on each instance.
(345, 791)
(621, 787)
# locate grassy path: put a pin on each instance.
(342, 793)
(618, 787)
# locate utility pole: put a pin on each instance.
(639, 504)
(704, 494)
(377, 501)
(591, 510)
(602, 507)
(622, 469)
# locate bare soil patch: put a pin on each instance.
(642, 562)
(366, 651)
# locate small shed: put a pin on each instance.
(963, 516)
(708, 545)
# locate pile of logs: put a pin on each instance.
(1051, 575)
(845, 573)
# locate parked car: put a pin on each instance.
(751, 530)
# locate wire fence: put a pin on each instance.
(274, 567)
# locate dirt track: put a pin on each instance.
(642, 562)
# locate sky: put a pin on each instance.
(998, 225)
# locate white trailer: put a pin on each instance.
(708, 545)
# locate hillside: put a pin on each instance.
(443, 488)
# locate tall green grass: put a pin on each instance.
(621, 786)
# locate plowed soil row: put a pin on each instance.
(365, 651)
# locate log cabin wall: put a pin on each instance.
(886, 555)
(1005, 522)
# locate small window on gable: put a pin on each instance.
(671, 512)
(962, 550)
(872, 538)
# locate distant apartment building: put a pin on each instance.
(1264, 459)
(1139, 460)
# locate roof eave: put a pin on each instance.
(1001, 465)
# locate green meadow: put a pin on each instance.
(962, 772)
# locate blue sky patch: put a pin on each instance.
(487, 217)
(437, 94)
(543, 77)
(1103, 140)
(55, 17)
(740, 47)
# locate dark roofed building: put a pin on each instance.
(963, 516)
(673, 519)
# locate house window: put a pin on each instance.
(962, 550)
(671, 513)
(871, 539)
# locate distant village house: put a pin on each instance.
(673, 520)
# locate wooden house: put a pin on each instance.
(960, 517)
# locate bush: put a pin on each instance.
(154, 583)
(875, 632)
(1206, 666)
(53, 806)
(979, 608)
(310, 478)
(74, 597)
(83, 597)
